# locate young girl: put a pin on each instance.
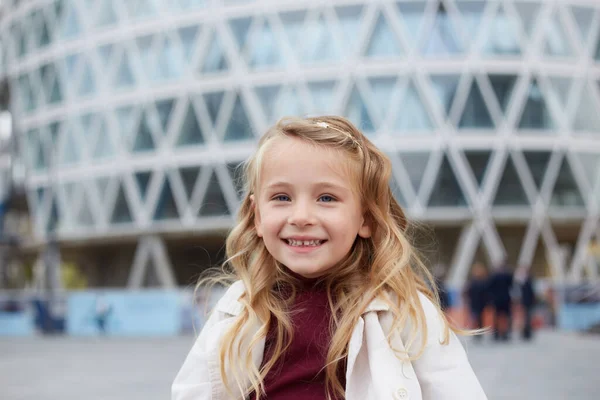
(330, 300)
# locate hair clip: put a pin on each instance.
(325, 125)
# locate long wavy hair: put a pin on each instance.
(382, 265)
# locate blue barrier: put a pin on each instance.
(16, 324)
(578, 317)
(124, 313)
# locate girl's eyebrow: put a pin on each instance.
(318, 185)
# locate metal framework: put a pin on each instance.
(132, 115)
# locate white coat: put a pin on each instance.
(373, 371)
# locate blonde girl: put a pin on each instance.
(329, 299)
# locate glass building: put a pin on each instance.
(132, 116)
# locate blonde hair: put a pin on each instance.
(385, 263)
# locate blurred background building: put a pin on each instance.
(130, 118)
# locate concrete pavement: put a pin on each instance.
(554, 366)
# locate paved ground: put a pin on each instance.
(555, 366)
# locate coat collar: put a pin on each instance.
(230, 304)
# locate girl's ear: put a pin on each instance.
(365, 228)
(257, 223)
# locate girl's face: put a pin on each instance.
(307, 210)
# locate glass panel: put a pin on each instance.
(166, 208)
(85, 217)
(56, 95)
(413, 115)
(478, 161)
(164, 109)
(475, 113)
(191, 4)
(597, 55)
(383, 41)
(189, 176)
(236, 172)
(265, 49)
(141, 8)
(53, 218)
(147, 55)
(446, 190)
(293, 24)
(587, 118)
(214, 60)
(44, 35)
(322, 96)
(70, 153)
(214, 203)
(240, 28)
(289, 103)
(106, 53)
(318, 42)
(584, 16)
(106, 15)
(268, 96)
(124, 75)
(238, 127)
(503, 86)
(589, 162)
(142, 179)
(143, 141)
(503, 35)
(528, 11)
(356, 111)
(54, 128)
(28, 102)
(445, 88)
(350, 20)
(472, 12)
(555, 39)
(510, 191)
(169, 61)
(537, 161)
(188, 36)
(213, 103)
(382, 89)
(70, 23)
(565, 192)
(104, 147)
(41, 159)
(190, 133)
(561, 88)
(126, 124)
(443, 39)
(535, 113)
(415, 165)
(88, 83)
(121, 211)
(412, 16)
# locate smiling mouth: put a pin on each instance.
(304, 243)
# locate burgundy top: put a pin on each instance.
(299, 373)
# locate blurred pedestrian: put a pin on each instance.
(500, 286)
(528, 300)
(476, 295)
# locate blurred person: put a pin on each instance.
(328, 291)
(500, 286)
(476, 294)
(527, 297)
(102, 312)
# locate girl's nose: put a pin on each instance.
(301, 215)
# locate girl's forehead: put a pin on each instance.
(292, 156)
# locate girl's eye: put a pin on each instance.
(326, 198)
(281, 197)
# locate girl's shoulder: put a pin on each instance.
(230, 303)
